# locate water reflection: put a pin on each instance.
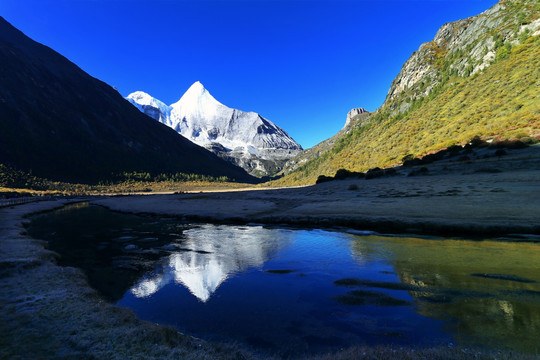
(274, 289)
(209, 255)
(302, 291)
(487, 293)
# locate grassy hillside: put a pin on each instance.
(502, 101)
(477, 77)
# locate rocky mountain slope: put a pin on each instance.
(60, 123)
(464, 48)
(244, 138)
(315, 153)
(479, 77)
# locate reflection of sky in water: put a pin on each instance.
(227, 267)
(209, 255)
(274, 288)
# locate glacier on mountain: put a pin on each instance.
(244, 138)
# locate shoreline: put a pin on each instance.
(50, 312)
(500, 205)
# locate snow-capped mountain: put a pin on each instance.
(150, 106)
(92, 134)
(245, 138)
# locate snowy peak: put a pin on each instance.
(197, 93)
(197, 90)
(245, 138)
(197, 86)
(150, 106)
(142, 98)
(197, 102)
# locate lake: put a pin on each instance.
(287, 291)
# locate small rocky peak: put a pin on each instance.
(351, 114)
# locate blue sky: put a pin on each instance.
(302, 64)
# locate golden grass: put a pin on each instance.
(500, 103)
(68, 189)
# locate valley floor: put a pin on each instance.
(50, 312)
(485, 198)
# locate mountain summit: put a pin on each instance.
(244, 138)
(60, 123)
(197, 102)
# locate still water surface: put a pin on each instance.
(294, 291)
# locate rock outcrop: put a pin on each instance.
(353, 114)
(463, 48)
(355, 117)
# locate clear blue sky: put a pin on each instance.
(302, 64)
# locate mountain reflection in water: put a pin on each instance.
(295, 292)
(209, 255)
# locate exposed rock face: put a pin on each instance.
(355, 117)
(352, 114)
(244, 138)
(463, 48)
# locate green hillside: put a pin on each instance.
(448, 106)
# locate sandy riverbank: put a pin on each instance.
(485, 198)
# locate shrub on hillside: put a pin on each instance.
(412, 162)
(407, 157)
(343, 174)
(374, 173)
(508, 144)
(323, 178)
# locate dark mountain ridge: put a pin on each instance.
(62, 124)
